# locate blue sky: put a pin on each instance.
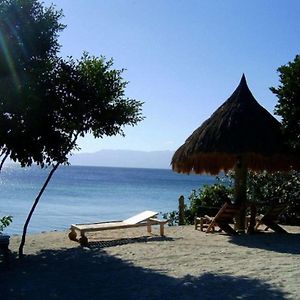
(184, 58)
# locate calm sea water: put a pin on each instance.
(89, 194)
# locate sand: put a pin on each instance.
(129, 264)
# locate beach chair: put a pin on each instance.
(271, 217)
(145, 218)
(222, 219)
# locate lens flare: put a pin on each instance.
(9, 61)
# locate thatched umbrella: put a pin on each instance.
(240, 134)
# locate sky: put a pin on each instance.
(183, 58)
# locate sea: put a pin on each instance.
(82, 194)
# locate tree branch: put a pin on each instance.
(3, 159)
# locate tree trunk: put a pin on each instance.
(3, 160)
(240, 193)
(36, 201)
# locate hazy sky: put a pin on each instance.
(184, 58)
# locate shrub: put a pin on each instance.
(4, 222)
(262, 188)
(265, 188)
(210, 196)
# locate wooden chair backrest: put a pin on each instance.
(227, 212)
(275, 211)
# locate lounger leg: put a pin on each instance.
(73, 235)
(201, 224)
(83, 240)
(196, 223)
(228, 229)
(149, 227)
(274, 226)
(162, 229)
(257, 225)
(211, 227)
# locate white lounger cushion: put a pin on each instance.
(143, 216)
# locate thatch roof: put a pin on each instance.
(239, 127)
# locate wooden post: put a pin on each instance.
(240, 192)
(181, 211)
(161, 229)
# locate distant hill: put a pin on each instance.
(124, 158)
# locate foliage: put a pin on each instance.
(288, 106)
(4, 222)
(266, 188)
(263, 188)
(172, 217)
(46, 102)
(208, 196)
(92, 98)
(29, 32)
(28, 48)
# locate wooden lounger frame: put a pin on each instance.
(222, 220)
(111, 225)
(270, 218)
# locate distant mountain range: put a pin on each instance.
(124, 158)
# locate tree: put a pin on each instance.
(46, 102)
(91, 96)
(288, 106)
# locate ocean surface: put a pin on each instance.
(79, 194)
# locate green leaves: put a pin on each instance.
(265, 188)
(47, 102)
(4, 222)
(214, 195)
(28, 48)
(92, 94)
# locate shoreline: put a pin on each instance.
(128, 263)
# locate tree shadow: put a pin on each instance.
(124, 241)
(282, 243)
(90, 273)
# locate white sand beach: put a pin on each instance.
(129, 264)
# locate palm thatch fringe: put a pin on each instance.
(214, 163)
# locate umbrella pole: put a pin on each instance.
(240, 192)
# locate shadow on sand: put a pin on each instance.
(281, 243)
(124, 241)
(82, 273)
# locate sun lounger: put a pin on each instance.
(145, 218)
(222, 219)
(271, 217)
